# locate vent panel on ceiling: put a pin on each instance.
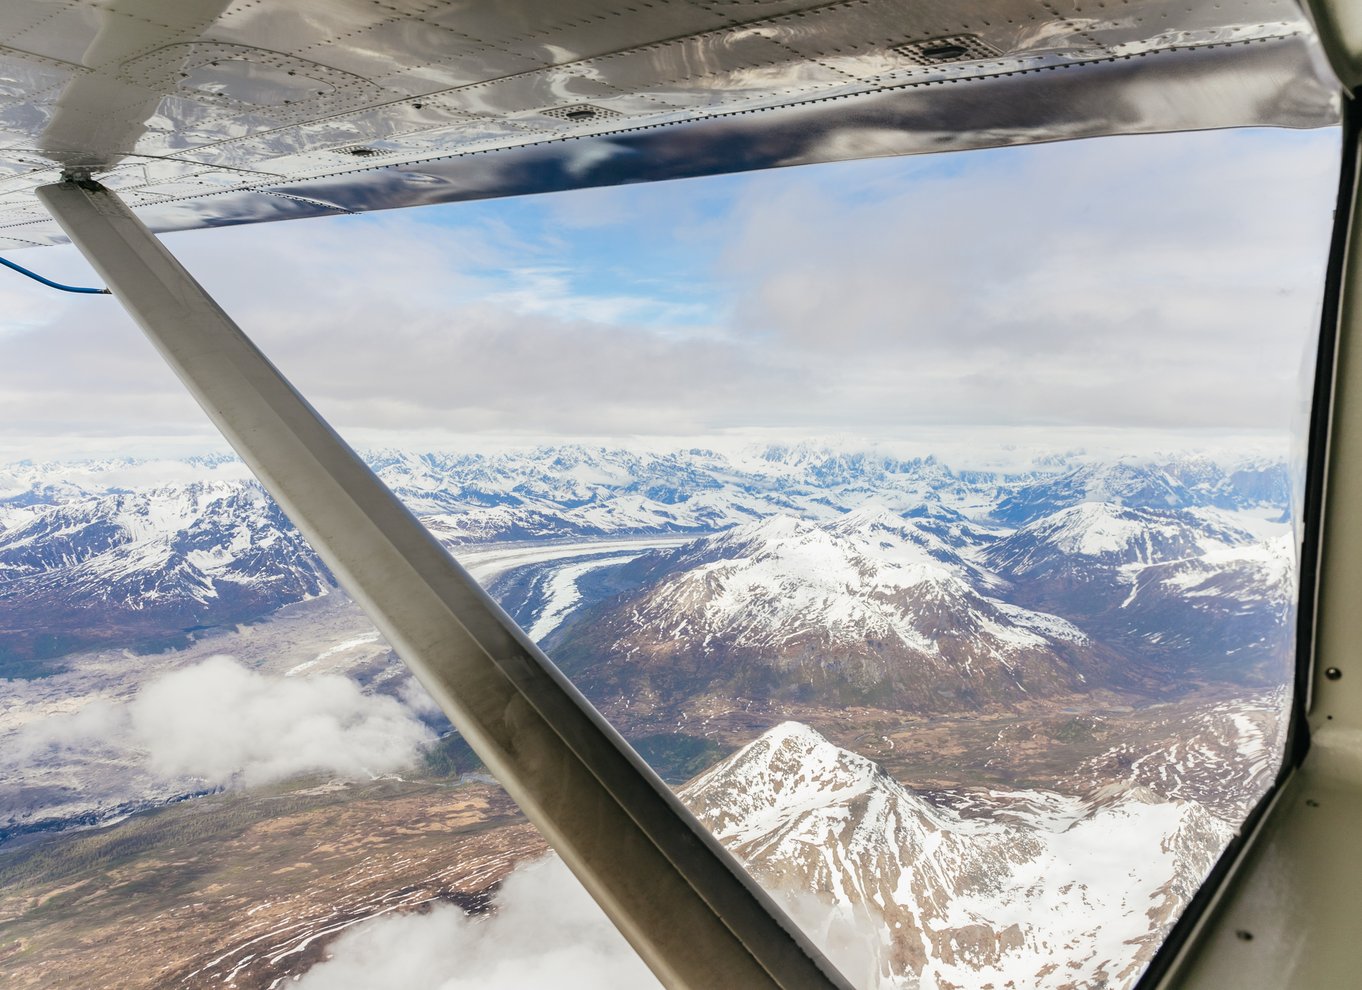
(942, 51)
(580, 113)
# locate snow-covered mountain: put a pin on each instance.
(1110, 535)
(1229, 612)
(1190, 590)
(1084, 558)
(927, 610)
(130, 553)
(594, 489)
(870, 608)
(1175, 483)
(1032, 888)
(146, 566)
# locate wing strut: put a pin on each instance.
(684, 903)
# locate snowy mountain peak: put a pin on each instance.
(864, 608)
(1094, 528)
(773, 529)
(874, 518)
(787, 759)
(935, 895)
(1116, 535)
(783, 775)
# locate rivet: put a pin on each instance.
(1244, 935)
(1333, 673)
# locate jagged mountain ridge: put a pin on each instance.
(870, 608)
(936, 894)
(571, 476)
(136, 567)
(1189, 590)
(1177, 483)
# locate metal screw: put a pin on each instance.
(1244, 936)
(1333, 673)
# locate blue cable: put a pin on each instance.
(47, 281)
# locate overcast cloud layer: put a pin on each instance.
(1155, 282)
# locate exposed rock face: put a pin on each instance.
(1034, 887)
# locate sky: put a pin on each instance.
(1140, 284)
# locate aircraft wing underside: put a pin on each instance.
(236, 111)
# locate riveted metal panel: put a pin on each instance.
(279, 92)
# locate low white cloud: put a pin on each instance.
(415, 696)
(221, 723)
(98, 726)
(851, 938)
(546, 931)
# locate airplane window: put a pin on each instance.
(927, 523)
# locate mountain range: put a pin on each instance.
(104, 554)
(871, 608)
(147, 568)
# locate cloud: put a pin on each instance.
(546, 931)
(1157, 281)
(220, 723)
(98, 727)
